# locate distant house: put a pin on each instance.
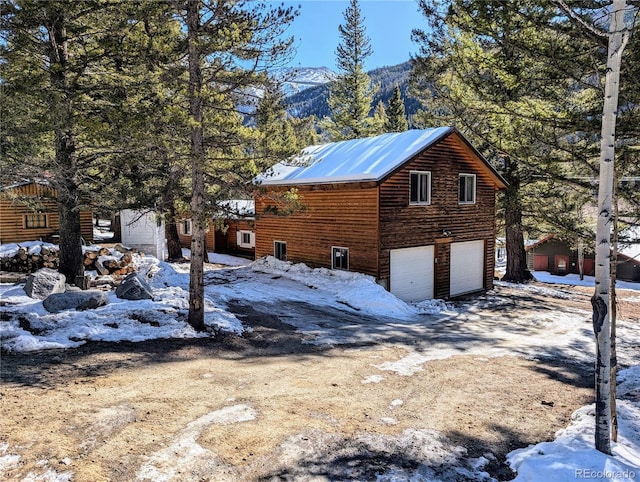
(29, 212)
(230, 232)
(557, 257)
(415, 210)
(143, 231)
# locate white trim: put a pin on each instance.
(420, 174)
(240, 239)
(475, 190)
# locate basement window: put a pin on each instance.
(35, 221)
(340, 258)
(280, 250)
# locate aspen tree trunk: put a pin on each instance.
(601, 300)
(196, 281)
(614, 313)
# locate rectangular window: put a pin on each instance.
(467, 189)
(245, 239)
(420, 187)
(185, 227)
(280, 250)
(35, 220)
(340, 258)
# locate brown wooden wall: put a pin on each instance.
(343, 215)
(210, 244)
(228, 242)
(403, 225)
(41, 199)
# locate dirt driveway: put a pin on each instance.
(267, 406)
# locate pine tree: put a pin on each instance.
(229, 47)
(58, 74)
(396, 116)
(351, 94)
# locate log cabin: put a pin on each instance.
(29, 212)
(415, 210)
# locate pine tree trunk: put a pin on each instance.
(71, 259)
(196, 281)
(116, 228)
(174, 248)
(601, 300)
(516, 270)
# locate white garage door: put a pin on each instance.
(467, 267)
(412, 273)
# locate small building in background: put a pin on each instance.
(29, 212)
(143, 231)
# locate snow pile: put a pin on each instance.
(572, 456)
(356, 290)
(31, 247)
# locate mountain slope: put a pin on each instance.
(313, 101)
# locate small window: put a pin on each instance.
(420, 187)
(467, 189)
(280, 250)
(35, 221)
(340, 258)
(245, 239)
(185, 227)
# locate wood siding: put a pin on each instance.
(444, 221)
(227, 242)
(373, 218)
(209, 237)
(335, 216)
(18, 202)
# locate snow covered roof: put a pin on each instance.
(368, 159)
(25, 182)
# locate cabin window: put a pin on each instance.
(420, 187)
(246, 239)
(35, 220)
(185, 227)
(280, 250)
(340, 258)
(467, 189)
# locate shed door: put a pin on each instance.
(412, 273)
(467, 267)
(540, 262)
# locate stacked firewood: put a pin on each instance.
(106, 261)
(25, 261)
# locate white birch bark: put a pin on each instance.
(601, 299)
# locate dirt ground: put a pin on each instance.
(104, 411)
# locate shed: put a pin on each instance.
(415, 210)
(143, 231)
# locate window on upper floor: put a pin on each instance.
(467, 189)
(420, 187)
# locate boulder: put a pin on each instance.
(74, 300)
(134, 287)
(44, 282)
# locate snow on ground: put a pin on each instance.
(436, 329)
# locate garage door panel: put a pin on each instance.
(467, 267)
(412, 271)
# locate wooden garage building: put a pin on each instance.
(416, 210)
(29, 212)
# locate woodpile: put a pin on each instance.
(116, 261)
(26, 262)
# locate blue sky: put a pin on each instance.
(388, 24)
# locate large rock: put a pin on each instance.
(74, 300)
(134, 287)
(44, 282)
